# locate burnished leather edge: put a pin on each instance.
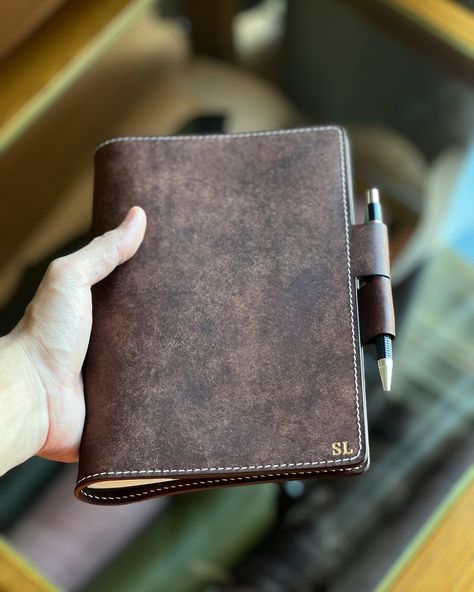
(132, 494)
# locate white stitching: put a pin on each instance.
(288, 132)
(349, 280)
(209, 469)
(210, 481)
(349, 275)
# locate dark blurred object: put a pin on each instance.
(441, 30)
(341, 67)
(211, 27)
(205, 124)
(12, 313)
(22, 486)
(20, 18)
(212, 23)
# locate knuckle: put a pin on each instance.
(64, 270)
(57, 269)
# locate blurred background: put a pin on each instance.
(399, 75)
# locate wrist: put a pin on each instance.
(23, 404)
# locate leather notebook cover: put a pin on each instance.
(227, 351)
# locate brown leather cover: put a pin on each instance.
(227, 350)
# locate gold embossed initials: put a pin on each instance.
(341, 448)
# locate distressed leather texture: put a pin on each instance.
(376, 312)
(227, 350)
(370, 253)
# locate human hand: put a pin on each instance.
(48, 346)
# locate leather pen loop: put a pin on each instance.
(376, 315)
(369, 250)
(370, 262)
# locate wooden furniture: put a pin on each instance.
(17, 575)
(441, 556)
(19, 18)
(42, 68)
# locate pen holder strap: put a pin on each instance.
(376, 316)
(370, 263)
(369, 250)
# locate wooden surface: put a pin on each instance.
(19, 18)
(442, 556)
(448, 20)
(32, 77)
(16, 575)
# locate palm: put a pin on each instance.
(56, 327)
(59, 321)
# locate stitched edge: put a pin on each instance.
(210, 481)
(349, 278)
(288, 132)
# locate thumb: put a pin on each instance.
(101, 256)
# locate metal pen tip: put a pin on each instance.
(373, 196)
(385, 369)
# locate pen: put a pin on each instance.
(383, 343)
